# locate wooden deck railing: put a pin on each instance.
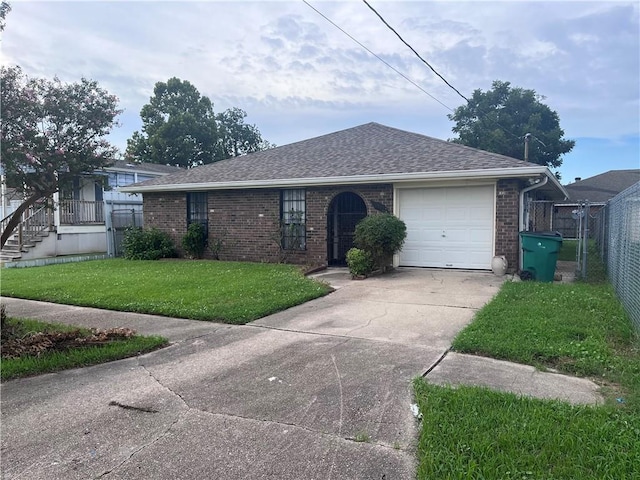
(38, 218)
(81, 212)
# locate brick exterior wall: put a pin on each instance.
(166, 211)
(248, 221)
(507, 223)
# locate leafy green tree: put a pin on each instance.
(178, 127)
(236, 137)
(498, 120)
(51, 132)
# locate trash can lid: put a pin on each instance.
(542, 234)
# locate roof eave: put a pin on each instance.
(556, 183)
(134, 170)
(518, 172)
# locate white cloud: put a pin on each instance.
(297, 75)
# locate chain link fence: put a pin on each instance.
(591, 233)
(602, 240)
(616, 237)
(538, 216)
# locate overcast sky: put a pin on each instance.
(297, 76)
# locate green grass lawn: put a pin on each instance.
(581, 329)
(231, 292)
(476, 433)
(53, 361)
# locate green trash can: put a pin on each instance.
(540, 254)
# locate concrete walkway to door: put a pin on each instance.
(322, 390)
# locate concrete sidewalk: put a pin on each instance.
(289, 396)
(460, 369)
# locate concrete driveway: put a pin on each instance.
(322, 390)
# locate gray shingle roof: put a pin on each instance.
(603, 187)
(369, 149)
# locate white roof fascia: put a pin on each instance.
(555, 181)
(348, 180)
(134, 170)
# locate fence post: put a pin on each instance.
(585, 239)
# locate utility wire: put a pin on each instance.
(413, 50)
(376, 55)
(520, 137)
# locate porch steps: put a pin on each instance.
(12, 251)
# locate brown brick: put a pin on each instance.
(247, 221)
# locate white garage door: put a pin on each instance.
(449, 227)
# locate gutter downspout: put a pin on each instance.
(541, 183)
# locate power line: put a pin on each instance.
(414, 51)
(485, 115)
(496, 122)
(376, 55)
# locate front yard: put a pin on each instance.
(466, 432)
(230, 292)
(579, 329)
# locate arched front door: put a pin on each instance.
(345, 211)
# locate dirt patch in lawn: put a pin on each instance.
(15, 345)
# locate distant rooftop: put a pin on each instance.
(600, 188)
(123, 165)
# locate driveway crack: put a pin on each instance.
(436, 363)
(368, 322)
(158, 437)
(335, 451)
(173, 392)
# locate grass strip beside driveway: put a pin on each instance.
(581, 329)
(75, 356)
(476, 433)
(230, 292)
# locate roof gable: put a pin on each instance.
(370, 149)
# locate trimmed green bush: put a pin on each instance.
(359, 261)
(195, 240)
(149, 244)
(382, 235)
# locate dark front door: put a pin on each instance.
(345, 211)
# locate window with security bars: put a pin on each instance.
(293, 219)
(197, 208)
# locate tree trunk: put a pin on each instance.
(16, 217)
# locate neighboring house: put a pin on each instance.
(301, 202)
(9, 201)
(80, 221)
(596, 190)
